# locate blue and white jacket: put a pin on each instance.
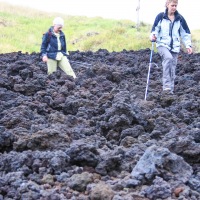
(168, 33)
(49, 46)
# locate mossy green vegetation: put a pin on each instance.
(22, 29)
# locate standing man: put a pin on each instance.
(54, 48)
(168, 28)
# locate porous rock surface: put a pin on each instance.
(95, 137)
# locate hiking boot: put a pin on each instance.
(167, 92)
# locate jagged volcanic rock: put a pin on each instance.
(96, 137)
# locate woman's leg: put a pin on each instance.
(167, 64)
(173, 69)
(51, 66)
(66, 67)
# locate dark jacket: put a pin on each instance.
(49, 46)
(169, 33)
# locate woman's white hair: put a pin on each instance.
(169, 1)
(58, 21)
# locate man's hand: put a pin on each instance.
(44, 58)
(189, 50)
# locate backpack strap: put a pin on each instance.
(162, 16)
(161, 20)
(49, 36)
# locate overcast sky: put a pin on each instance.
(116, 9)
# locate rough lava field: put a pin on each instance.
(95, 137)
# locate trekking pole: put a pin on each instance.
(150, 63)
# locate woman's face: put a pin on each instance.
(172, 7)
(57, 28)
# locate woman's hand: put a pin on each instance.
(189, 50)
(153, 38)
(44, 58)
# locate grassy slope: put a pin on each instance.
(21, 30)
